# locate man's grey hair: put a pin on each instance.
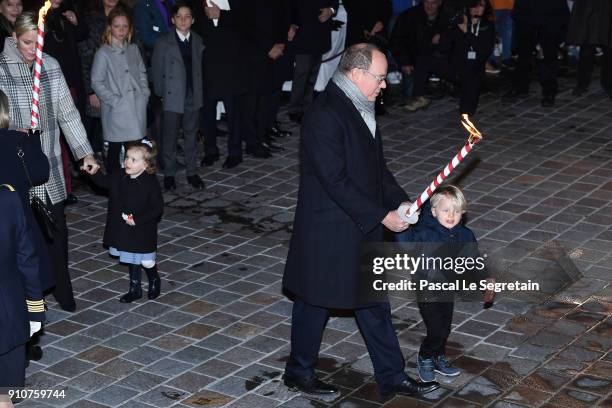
(357, 56)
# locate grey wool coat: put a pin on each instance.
(56, 110)
(169, 81)
(119, 79)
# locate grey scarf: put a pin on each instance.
(365, 107)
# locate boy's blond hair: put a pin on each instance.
(452, 193)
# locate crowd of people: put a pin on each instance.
(122, 81)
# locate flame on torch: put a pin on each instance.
(469, 126)
(475, 137)
(43, 12)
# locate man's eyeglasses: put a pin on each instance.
(378, 78)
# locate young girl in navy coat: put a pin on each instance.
(135, 207)
(441, 232)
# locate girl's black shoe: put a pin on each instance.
(154, 282)
(135, 291)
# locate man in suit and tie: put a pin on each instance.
(21, 302)
(346, 197)
(177, 79)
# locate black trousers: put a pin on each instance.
(586, 63)
(12, 368)
(93, 127)
(304, 79)
(58, 252)
(469, 78)
(256, 107)
(113, 156)
(308, 323)
(437, 317)
(527, 36)
(208, 125)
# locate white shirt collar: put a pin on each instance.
(183, 37)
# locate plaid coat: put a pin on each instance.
(56, 109)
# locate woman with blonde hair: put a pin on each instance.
(56, 110)
(119, 79)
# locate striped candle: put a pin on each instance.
(40, 40)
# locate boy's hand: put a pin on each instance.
(489, 294)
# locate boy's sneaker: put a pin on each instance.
(443, 367)
(425, 367)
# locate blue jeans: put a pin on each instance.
(503, 25)
(407, 82)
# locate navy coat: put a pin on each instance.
(345, 192)
(437, 238)
(12, 172)
(20, 289)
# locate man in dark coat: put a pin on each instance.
(346, 195)
(313, 20)
(590, 26)
(22, 307)
(224, 76)
(543, 21)
(266, 25)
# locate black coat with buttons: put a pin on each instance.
(141, 197)
(345, 192)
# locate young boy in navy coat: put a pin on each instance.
(441, 231)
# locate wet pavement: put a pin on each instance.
(540, 193)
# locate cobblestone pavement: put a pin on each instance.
(540, 189)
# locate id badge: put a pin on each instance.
(471, 55)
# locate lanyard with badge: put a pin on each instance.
(471, 55)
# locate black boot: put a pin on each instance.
(154, 282)
(135, 289)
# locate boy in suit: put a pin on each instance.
(177, 79)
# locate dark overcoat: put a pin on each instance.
(141, 197)
(12, 172)
(590, 23)
(312, 36)
(20, 290)
(265, 23)
(345, 192)
(224, 68)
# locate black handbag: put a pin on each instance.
(42, 213)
